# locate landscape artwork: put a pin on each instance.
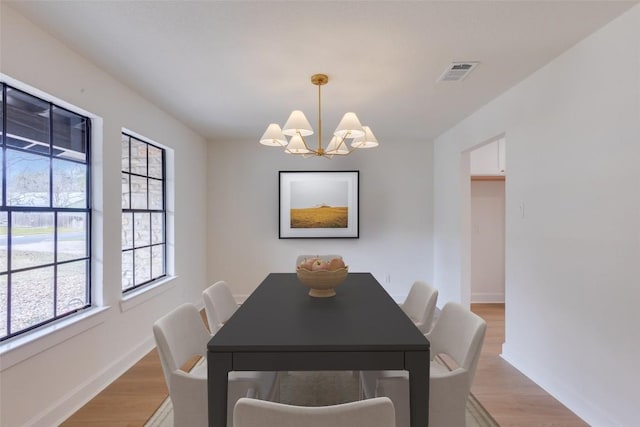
(319, 204)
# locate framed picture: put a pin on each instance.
(319, 205)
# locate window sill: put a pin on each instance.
(21, 348)
(137, 297)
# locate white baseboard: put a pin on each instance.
(68, 404)
(487, 297)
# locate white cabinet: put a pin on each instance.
(489, 160)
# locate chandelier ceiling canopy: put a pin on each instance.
(349, 136)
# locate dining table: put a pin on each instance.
(280, 327)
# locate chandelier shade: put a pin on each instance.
(349, 127)
(349, 135)
(273, 136)
(368, 140)
(337, 146)
(297, 146)
(297, 123)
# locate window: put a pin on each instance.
(45, 212)
(143, 213)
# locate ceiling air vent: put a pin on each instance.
(457, 71)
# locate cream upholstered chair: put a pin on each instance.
(180, 335)
(377, 412)
(420, 305)
(459, 334)
(219, 306)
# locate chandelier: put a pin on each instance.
(349, 136)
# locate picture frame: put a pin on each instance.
(319, 204)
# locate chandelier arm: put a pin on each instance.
(342, 142)
(311, 151)
(286, 149)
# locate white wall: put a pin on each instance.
(46, 387)
(487, 241)
(395, 214)
(572, 252)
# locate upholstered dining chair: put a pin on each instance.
(420, 305)
(219, 306)
(181, 335)
(377, 412)
(458, 334)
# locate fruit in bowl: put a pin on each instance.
(322, 275)
(336, 264)
(320, 265)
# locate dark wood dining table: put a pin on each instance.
(281, 328)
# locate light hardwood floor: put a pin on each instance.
(511, 398)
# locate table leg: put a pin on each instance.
(417, 363)
(218, 367)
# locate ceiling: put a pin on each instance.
(229, 68)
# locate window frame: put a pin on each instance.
(132, 136)
(10, 209)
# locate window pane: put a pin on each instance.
(138, 157)
(72, 286)
(157, 261)
(155, 194)
(127, 230)
(27, 179)
(31, 298)
(27, 122)
(72, 236)
(125, 191)
(142, 226)
(125, 152)
(127, 270)
(31, 239)
(3, 241)
(142, 191)
(69, 135)
(138, 192)
(3, 305)
(157, 228)
(69, 184)
(143, 265)
(45, 170)
(155, 162)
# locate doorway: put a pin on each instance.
(487, 175)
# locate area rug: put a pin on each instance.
(322, 389)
